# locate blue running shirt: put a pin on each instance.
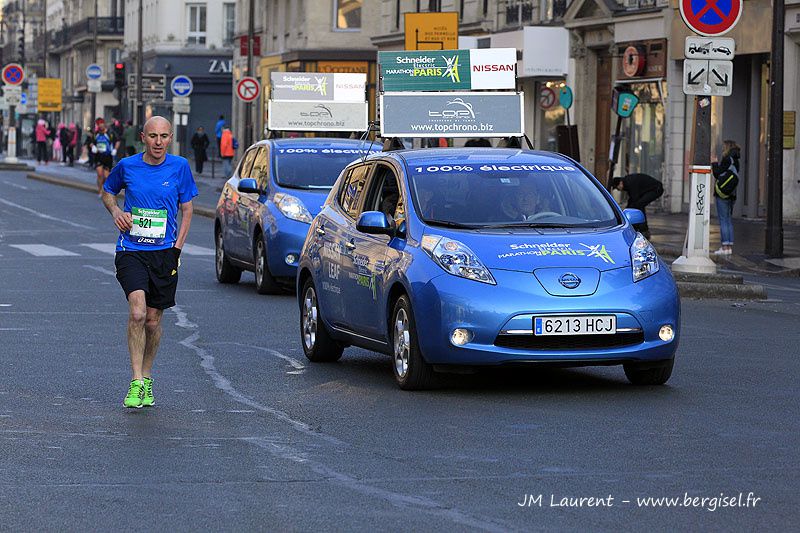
(153, 194)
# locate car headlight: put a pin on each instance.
(292, 207)
(643, 258)
(456, 258)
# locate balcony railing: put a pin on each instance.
(85, 28)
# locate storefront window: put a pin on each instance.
(550, 117)
(642, 150)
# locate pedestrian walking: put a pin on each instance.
(218, 132)
(104, 147)
(129, 137)
(642, 190)
(227, 151)
(157, 185)
(41, 133)
(726, 179)
(73, 136)
(200, 144)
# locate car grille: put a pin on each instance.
(568, 342)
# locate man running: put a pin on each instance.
(104, 147)
(156, 185)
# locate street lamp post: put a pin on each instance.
(94, 55)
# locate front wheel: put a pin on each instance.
(656, 373)
(226, 272)
(411, 371)
(318, 345)
(265, 283)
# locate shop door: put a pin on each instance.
(602, 134)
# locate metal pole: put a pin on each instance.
(139, 63)
(774, 232)
(46, 40)
(249, 106)
(94, 55)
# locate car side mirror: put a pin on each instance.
(634, 216)
(376, 223)
(249, 185)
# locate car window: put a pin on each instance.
(312, 168)
(352, 188)
(385, 194)
(246, 166)
(261, 167)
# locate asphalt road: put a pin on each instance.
(247, 435)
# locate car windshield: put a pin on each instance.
(489, 195)
(312, 168)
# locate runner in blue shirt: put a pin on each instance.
(157, 185)
(104, 147)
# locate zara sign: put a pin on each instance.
(220, 66)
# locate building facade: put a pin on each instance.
(304, 36)
(188, 38)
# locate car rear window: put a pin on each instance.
(312, 167)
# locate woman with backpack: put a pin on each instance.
(726, 178)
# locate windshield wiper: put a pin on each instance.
(558, 225)
(449, 224)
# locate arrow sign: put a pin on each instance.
(248, 89)
(721, 82)
(693, 78)
(720, 77)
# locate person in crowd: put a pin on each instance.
(40, 134)
(726, 179)
(116, 129)
(130, 136)
(88, 141)
(477, 143)
(642, 190)
(70, 136)
(218, 132)
(149, 245)
(58, 147)
(200, 144)
(227, 151)
(522, 205)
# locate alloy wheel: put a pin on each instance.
(220, 253)
(402, 342)
(310, 318)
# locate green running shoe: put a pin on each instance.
(135, 394)
(148, 400)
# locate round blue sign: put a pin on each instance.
(94, 71)
(565, 97)
(181, 85)
(23, 98)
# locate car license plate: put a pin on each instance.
(575, 325)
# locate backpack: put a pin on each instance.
(726, 182)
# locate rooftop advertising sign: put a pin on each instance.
(317, 116)
(451, 115)
(339, 87)
(454, 70)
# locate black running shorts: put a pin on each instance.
(104, 160)
(155, 273)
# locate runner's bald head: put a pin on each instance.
(155, 121)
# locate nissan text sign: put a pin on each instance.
(448, 70)
(451, 114)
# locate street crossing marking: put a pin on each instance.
(191, 249)
(105, 247)
(110, 248)
(43, 250)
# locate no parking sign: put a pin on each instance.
(711, 17)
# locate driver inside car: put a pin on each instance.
(522, 205)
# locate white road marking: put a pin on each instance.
(105, 247)
(47, 217)
(299, 367)
(191, 249)
(101, 270)
(16, 185)
(43, 250)
(111, 248)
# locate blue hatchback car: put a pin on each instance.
(447, 258)
(265, 208)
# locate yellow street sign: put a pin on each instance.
(432, 31)
(49, 94)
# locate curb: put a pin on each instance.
(724, 291)
(199, 210)
(15, 166)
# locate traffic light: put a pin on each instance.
(119, 74)
(21, 47)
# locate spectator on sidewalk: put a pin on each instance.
(200, 144)
(642, 190)
(218, 132)
(726, 178)
(226, 152)
(69, 140)
(41, 133)
(130, 137)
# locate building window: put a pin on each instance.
(114, 57)
(347, 14)
(518, 12)
(197, 24)
(229, 23)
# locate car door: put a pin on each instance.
(329, 231)
(237, 237)
(255, 204)
(368, 255)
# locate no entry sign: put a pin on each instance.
(711, 17)
(248, 89)
(547, 98)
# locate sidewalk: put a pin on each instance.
(668, 230)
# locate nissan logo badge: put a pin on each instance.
(569, 280)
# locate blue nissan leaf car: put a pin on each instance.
(266, 207)
(446, 258)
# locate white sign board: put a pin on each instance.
(303, 115)
(545, 51)
(709, 48)
(94, 86)
(707, 78)
(13, 94)
(493, 68)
